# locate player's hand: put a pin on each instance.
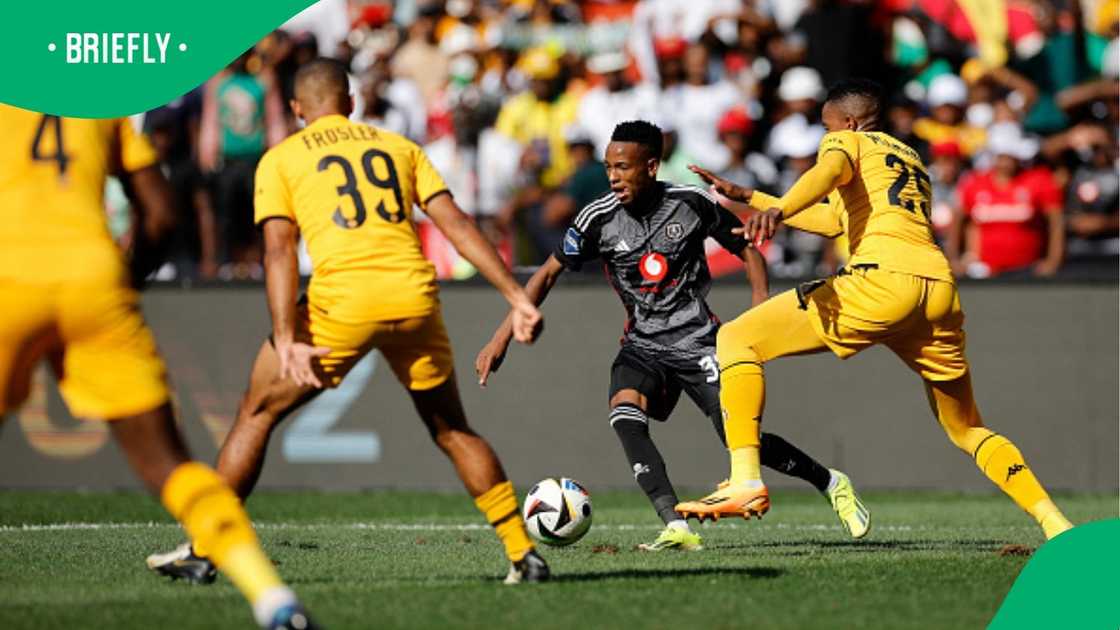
(760, 226)
(527, 322)
(296, 362)
(489, 359)
(1046, 268)
(734, 192)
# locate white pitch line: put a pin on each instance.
(429, 527)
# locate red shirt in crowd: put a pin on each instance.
(1010, 217)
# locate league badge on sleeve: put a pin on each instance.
(573, 242)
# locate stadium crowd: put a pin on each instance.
(1013, 104)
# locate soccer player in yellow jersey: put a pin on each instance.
(349, 189)
(897, 291)
(67, 296)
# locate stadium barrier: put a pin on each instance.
(1044, 357)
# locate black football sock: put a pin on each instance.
(786, 458)
(632, 426)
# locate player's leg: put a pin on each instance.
(208, 510)
(782, 456)
(934, 348)
(995, 455)
(778, 454)
(419, 353)
(482, 475)
(777, 327)
(267, 401)
(27, 333)
(638, 391)
(111, 370)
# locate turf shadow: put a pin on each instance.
(669, 574)
(805, 547)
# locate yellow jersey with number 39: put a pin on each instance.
(52, 186)
(885, 206)
(351, 189)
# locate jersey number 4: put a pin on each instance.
(59, 156)
(350, 188)
(896, 191)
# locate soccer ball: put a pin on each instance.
(558, 511)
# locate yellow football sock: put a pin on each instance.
(217, 524)
(745, 465)
(499, 505)
(742, 395)
(1002, 462)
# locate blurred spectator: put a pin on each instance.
(656, 22)
(902, 113)
(173, 130)
(793, 253)
(745, 168)
(328, 21)
(1013, 214)
(538, 117)
(799, 93)
(587, 182)
(947, 98)
(1093, 195)
(420, 58)
(393, 104)
(696, 107)
(674, 159)
(834, 38)
(242, 116)
(616, 99)
(945, 169)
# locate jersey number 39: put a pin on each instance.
(350, 188)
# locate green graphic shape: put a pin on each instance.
(1073, 581)
(205, 35)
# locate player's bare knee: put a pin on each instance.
(628, 397)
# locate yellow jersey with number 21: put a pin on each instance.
(887, 205)
(351, 189)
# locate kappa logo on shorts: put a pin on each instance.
(674, 230)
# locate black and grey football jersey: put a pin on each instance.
(656, 262)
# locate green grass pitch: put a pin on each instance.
(424, 560)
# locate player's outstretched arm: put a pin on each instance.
(490, 358)
(472, 245)
(756, 275)
(152, 202)
(831, 170)
(281, 273)
(722, 187)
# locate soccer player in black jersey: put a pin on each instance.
(650, 235)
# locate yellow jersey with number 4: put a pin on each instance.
(52, 187)
(885, 206)
(351, 189)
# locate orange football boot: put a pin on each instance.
(728, 501)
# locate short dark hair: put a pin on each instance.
(321, 79)
(864, 95)
(640, 132)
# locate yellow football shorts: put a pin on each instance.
(416, 348)
(918, 318)
(102, 352)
